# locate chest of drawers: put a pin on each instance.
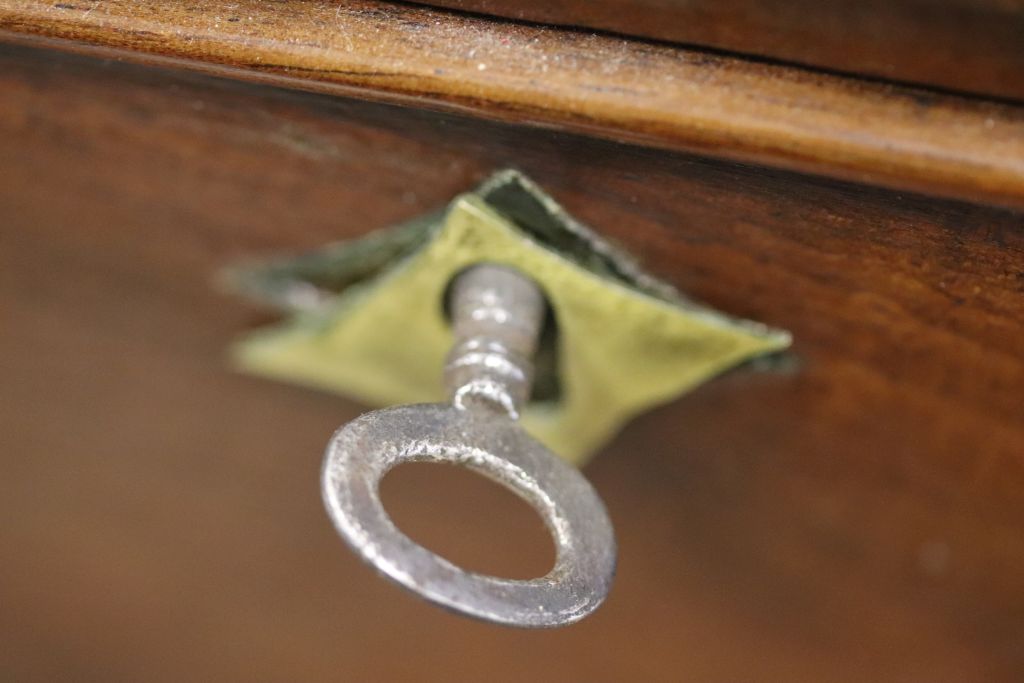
(850, 512)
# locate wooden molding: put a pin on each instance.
(971, 46)
(609, 87)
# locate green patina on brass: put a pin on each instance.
(366, 318)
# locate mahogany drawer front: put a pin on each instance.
(851, 512)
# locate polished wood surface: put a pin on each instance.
(965, 45)
(606, 86)
(853, 513)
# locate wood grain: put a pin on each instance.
(966, 45)
(606, 86)
(855, 517)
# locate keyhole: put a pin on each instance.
(468, 519)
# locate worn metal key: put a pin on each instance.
(497, 315)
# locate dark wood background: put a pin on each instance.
(855, 514)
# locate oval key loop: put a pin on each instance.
(497, 315)
(361, 453)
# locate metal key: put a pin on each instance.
(497, 315)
